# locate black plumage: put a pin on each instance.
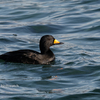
(33, 57)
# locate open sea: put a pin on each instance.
(75, 73)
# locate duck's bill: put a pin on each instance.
(57, 42)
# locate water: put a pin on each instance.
(75, 73)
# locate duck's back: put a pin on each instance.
(21, 56)
(28, 57)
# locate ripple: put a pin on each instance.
(88, 39)
(94, 28)
(45, 28)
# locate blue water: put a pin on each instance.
(75, 73)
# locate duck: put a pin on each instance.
(28, 56)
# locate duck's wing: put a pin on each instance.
(21, 56)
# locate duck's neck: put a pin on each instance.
(48, 52)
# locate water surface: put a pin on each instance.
(75, 73)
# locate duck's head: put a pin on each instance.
(46, 41)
